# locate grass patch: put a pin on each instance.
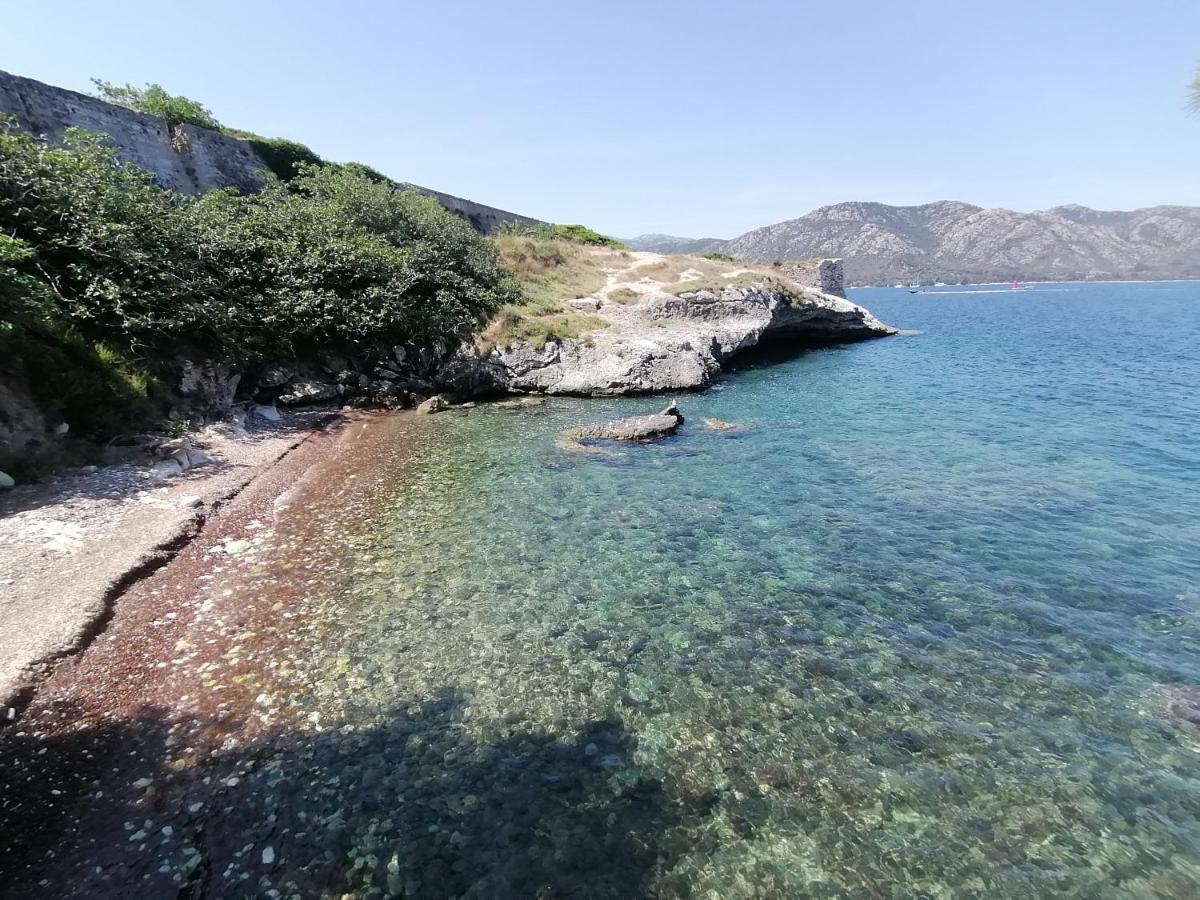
(660, 270)
(549, 272)
(624, 296)
(537, 330)
(669, 270)
(745, 280)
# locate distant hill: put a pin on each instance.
(669, 243)
(953, 241)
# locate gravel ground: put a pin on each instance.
(71, 544)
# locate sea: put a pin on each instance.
(911, 617)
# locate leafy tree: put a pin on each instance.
(1194, 95)
(154, 100)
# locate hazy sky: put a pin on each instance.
(698, 118)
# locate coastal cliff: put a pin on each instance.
(661, 324)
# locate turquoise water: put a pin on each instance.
(906, 633)
(912, 629)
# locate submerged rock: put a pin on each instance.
(521, 403)
(721, 425)
(6, 481)
(634, 428)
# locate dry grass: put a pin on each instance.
(623, 296)
(550, 272)
(661, 270)
(537, 330)
(553, 271)
(669, 270)
(752, 279)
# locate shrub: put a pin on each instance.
(93, 248)
(576, 234)
(581, 234)
(281, 156)
(154, 100)
(719, 257)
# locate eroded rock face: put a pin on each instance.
(301, 392)
(212, 384)
(634, 428)
(665, 342)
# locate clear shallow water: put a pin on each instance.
(905, 634)
(911, 632)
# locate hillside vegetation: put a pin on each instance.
(551, 264)
(102, 270)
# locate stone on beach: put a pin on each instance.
(436, 403)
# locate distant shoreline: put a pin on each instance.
(1034, 281)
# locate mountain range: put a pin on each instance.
(953, 241)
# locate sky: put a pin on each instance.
(696, 118)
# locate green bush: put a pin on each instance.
(154, 100)
(281, 156)
(92, 247)
(719, 257)
(578, 234)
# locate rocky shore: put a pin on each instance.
(661, 336)
(71, 544)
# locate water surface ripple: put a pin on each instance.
(912, 630)
(906, 633)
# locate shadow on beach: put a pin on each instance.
(120, 481)
(409, 806)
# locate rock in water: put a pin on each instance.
(721, 425)
(635, 428)
(6, 481)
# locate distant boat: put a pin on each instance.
(939, 284)
(1015, 286)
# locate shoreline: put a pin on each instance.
(872, 287)
(187, 677)
(73, 545)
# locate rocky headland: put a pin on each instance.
(659, 324)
